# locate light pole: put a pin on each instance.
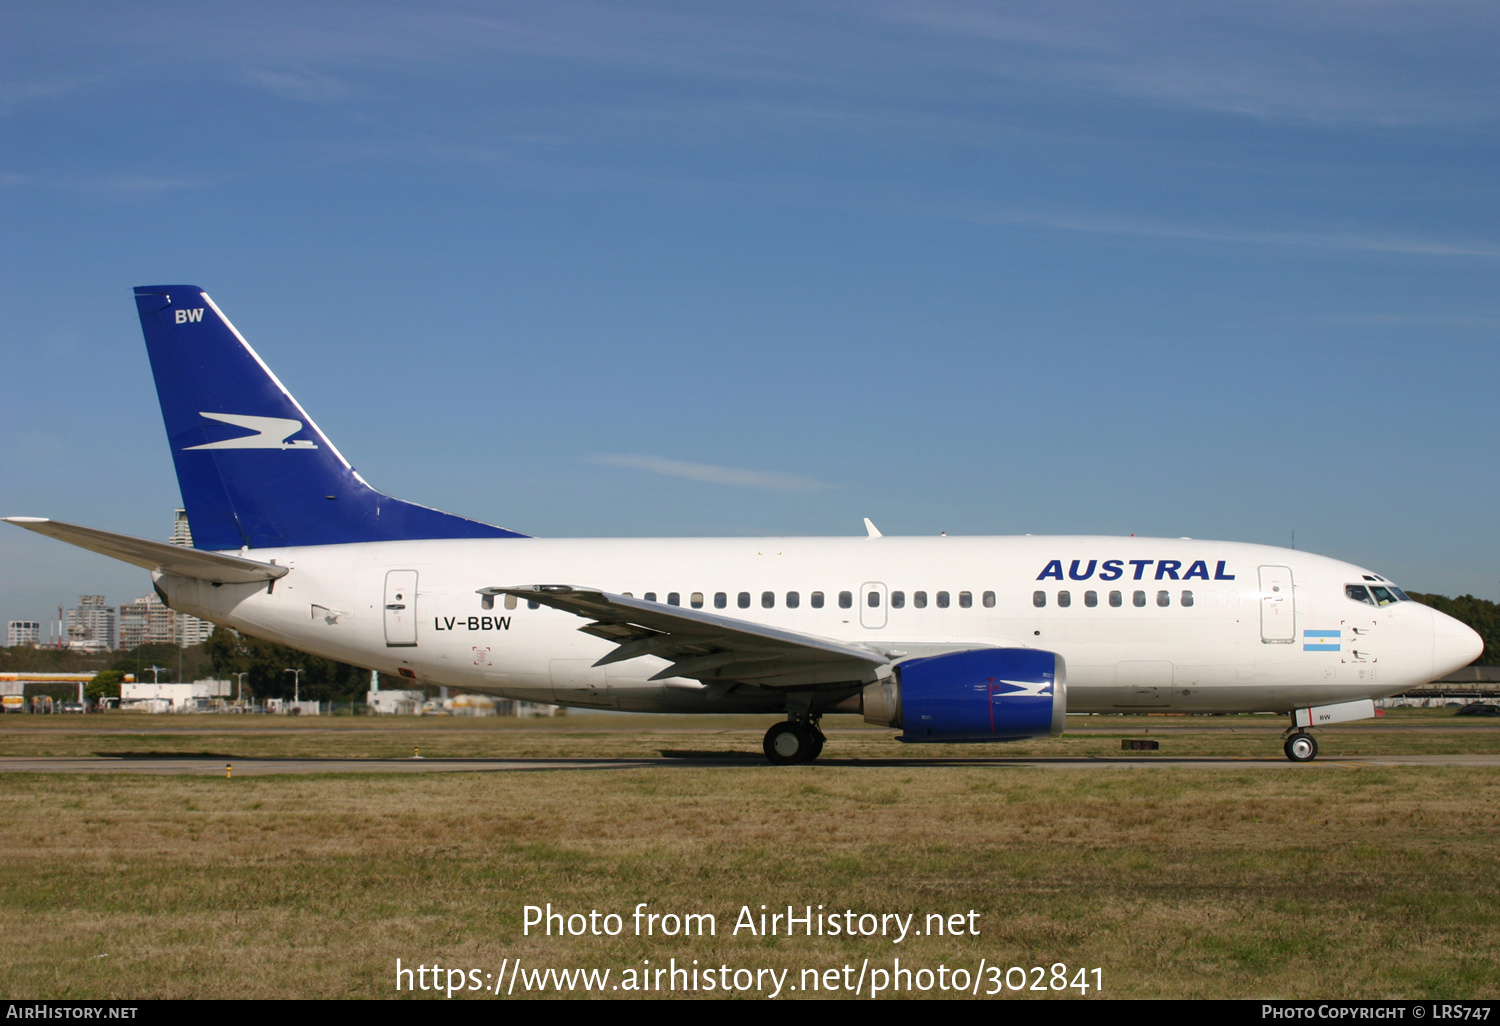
(296, 684)
(155, 673)
(239, 697)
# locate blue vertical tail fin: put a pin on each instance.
(253, 468)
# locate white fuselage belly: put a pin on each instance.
(1219, 654)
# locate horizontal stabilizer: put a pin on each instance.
(169, 559)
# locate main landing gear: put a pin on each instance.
(1300, 747)
(795, 740)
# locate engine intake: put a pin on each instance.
(986, 694)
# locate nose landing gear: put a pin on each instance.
(1300, 747)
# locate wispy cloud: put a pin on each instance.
(1103, 224)
(305, 86)
(761, 479)
(112, 183)
(14, 95)
(1416, 320)
(1334, 62)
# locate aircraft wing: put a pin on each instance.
(705, 646)
(170, 559)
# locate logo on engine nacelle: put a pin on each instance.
(1022, 688)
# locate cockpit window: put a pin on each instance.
(1401, 596)
(1358, 593)
(1383, 597)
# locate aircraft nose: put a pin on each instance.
(1454, 644)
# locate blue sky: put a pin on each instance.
(1210, 269)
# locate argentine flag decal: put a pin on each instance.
(1321, 641)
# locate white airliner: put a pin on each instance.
(947, 639)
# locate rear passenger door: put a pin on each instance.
(401, 609)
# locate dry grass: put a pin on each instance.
(1179, 883)
(1428, 732)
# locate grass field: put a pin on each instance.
(1312, 881)
(1411, 731)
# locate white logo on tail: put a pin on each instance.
(190, 316)
(270, 433)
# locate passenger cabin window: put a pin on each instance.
(965, 600)
(650, 596)
(1039, 599)
(1139, 598)
(817, 600)
(919, 599)
(1187, 598)
(942, 600)
(674, 599)
(744, 600)
(510, 602)
(531, 604)
(1116, 599)
(793, 600)
(873, 600)
(1164, 599)
(768, 600)
(1064, 599)
(720, 600)
(846, 600)
(696, 600)
(898, 599)
(989, 600)
(1091, 599)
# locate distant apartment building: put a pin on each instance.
(188, 630)
(147, 621)
(192, 631)
(23, 632)
(182, 533)
(91, 626)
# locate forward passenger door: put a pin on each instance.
(1278, 611)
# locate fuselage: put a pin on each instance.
(1141, 623)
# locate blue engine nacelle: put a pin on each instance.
(986, 694)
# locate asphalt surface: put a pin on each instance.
(198, 766)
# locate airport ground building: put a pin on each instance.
(174, 697)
